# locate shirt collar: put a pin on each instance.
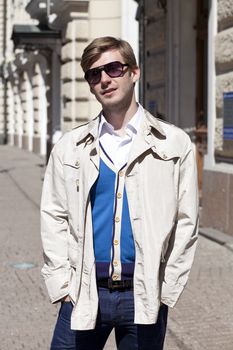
(131, 128)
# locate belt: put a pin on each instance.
(115, 285)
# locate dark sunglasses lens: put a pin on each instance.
(93, 76)
(114, 69)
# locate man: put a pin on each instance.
(119, 214)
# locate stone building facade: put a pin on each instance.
(173, 41)
(218, 163)
(9, 91)
(187, 60)
(168, 57)
(43, 92)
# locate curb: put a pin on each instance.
(217, 237)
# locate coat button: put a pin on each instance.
(117, 219)
(89, 141)
(115, 277)
(119, 195)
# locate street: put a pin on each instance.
(202, 319)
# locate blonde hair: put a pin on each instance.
(99, 45)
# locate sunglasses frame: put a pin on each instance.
(103, 68)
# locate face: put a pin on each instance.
(118, 92)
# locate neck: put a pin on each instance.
(119, 117)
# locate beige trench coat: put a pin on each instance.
(161, 185)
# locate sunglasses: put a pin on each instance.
(113, 70)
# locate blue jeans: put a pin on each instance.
(116, 310)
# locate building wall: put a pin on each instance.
(11, 12)
(169, 60)
(154, 64)
(218, 170)
(27, 86)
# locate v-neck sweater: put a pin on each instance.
(113, 240)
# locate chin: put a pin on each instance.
(112, 103)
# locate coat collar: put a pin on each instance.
(149, 123)
(90, 132)
(152, 123)
(152, 134)
(155, 134)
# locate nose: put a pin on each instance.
(105, 78)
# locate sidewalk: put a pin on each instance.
(202, 319)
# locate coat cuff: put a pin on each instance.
(58, 286)
(171, 293)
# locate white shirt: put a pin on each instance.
(116, 146)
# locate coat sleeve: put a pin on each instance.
(54, 229)
(179, 254)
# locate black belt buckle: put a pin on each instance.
(119, 284)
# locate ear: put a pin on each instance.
(135, 73)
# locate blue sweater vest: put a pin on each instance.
(113, 239)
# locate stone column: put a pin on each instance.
(11, 78)
(75, 91)
(27, 106)
(18, 115)
(10, 114)
(2, 112)
(39, 107)
(104, 19)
